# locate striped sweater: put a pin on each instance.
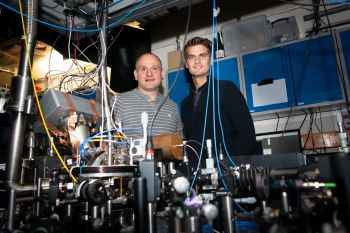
(127, 109)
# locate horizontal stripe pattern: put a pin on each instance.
(130, 105)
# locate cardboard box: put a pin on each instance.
(174, 59)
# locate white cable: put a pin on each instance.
(193, 150)
(144, 122)
(70, 36)
(81, 52)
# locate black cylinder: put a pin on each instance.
(140, 192)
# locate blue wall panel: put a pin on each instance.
(309, 68)
(314, 71)
(261, 66)
(182, 85)
(345, 40)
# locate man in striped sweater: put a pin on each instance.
(128, 106)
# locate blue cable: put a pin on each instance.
(81, 147)
(204, 131)
(203, 137)
(244, 210)
(77, 30)
(339, 2)
(219, 114)
(81, 168)
(214, 30)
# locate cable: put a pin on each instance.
(77, 30)
(215, 29)
(305, 4)
(278, 120)
(302, 123)
(82, 145)
(204, 131)
(38, 102)
(121, 29)
(219, 118)
(196, 153)
(52, 47)
(310, 129)
(339, 66)
(179, 68)
(339, 2)
(109, 6)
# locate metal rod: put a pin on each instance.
(140, 192)
(227, 214)
(192, 224)
(151, 218)
(11, 211)
(284, 200)
(69, 210)
(103, 77)
(21, 91)
(38, 196)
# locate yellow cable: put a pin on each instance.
(38, 102)
(96, 140)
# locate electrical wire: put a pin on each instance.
(219, 117)
(339, 66)
(77, 30)
(109, 6)
(278, 120)
(309, 131)
(338, 2)
(38, 102)
(215, 30)
(48, 73)
(179, 68)
(82, 145)
(307, 4)
(204, 131)
(196, 153)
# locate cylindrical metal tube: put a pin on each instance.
(151, 218)
(171, 168)
(29, 43)
(284, 200)
(27, 189)
(95, 210)
(15, 147)
(140, 193)
(192, 224)
(85, 216)
(20, 93)
(177, 225)
(227, 209)
(38, 196)
(69, 210)
(11, 210)
(109, 207)
(162, 170)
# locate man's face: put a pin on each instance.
(198, 60)
(148, 73)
